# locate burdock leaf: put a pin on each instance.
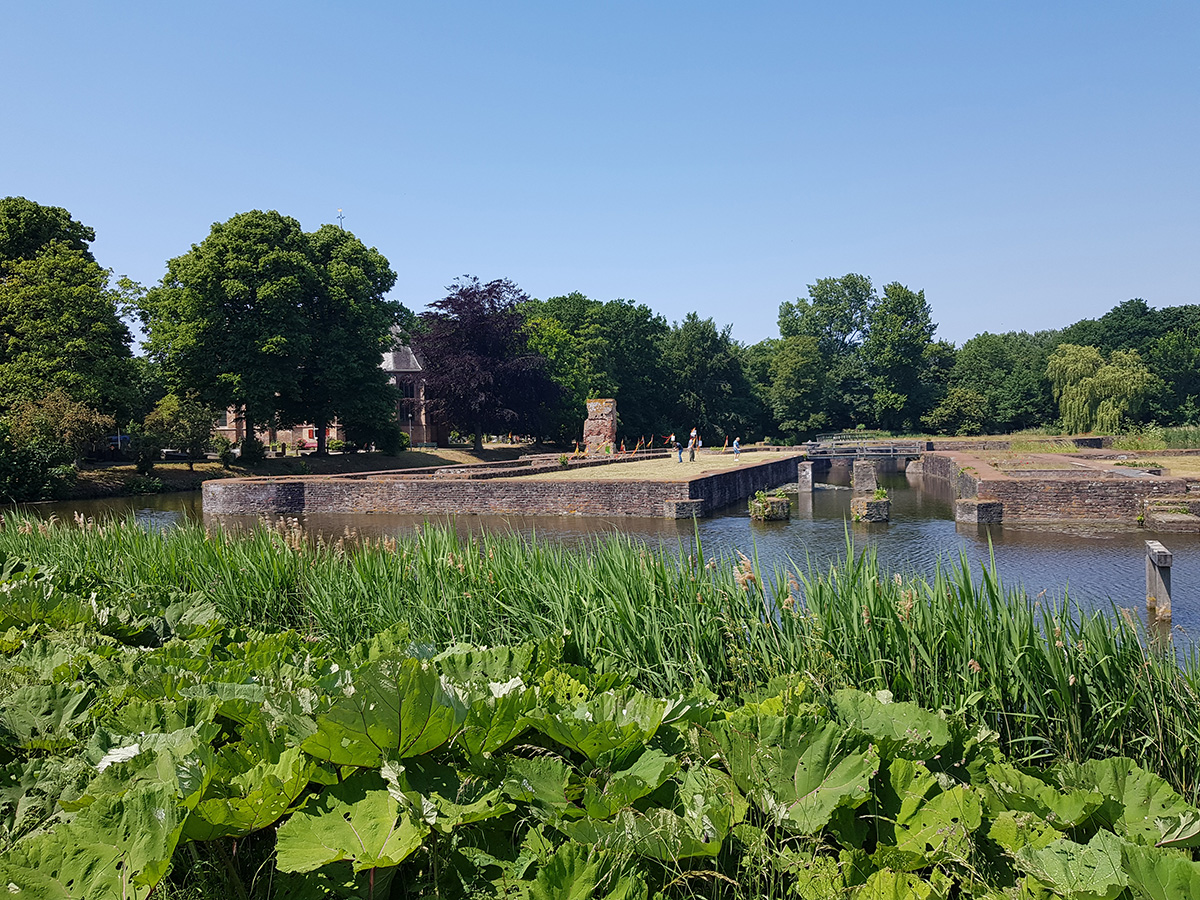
(898, 729)
(608, 722)
(583, 873)
(1135, 800)
(393, 708)
(250, 799)
(358, 821)
(1161, 875)
(1082, 872)
(1022, 792)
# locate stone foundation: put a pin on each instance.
(862, 477)
(772, 509)
(978, 512)
(865, 509)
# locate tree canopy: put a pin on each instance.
(286, 325)
(60, 324)
(482, 373)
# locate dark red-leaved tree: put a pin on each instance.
(481, 374)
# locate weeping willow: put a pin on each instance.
(1098, 395)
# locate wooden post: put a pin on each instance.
(1158, 580)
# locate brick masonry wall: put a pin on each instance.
(1095, 499)
(432, 496)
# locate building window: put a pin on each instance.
(408, 390)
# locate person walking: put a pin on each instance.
(737, 448)
(677, 447)
(691, 449)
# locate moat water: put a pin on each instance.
(1091, 564)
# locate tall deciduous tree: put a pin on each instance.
(60, 325)
(285, 325)
(797, 383)
(482, 373)
(1098, 395)
(713, 393)
(896, 351)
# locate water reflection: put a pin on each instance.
(1093, 563)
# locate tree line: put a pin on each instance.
(288, 327)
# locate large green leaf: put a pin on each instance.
(544, 782)
(624, 786)
(248, 793)
(888, 885)
(442, 797)
(898, 729)
(796, 771)
(582, 873)
(1022, 792)
(1135, 800)
(1081, 872)
(392, 709)
(45, 716)
(924, 823)
(609, 722)
(497, 715)
(656, 833)
(1161, 875)
(116, 849)
(1013, 830)
(358, 821)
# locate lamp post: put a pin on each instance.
(410, 442)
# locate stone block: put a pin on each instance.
(770, 509)
(683, 509)
(804, 477)
(974, 511)
(600, 429)
(915, 467)
(865, 509)
(862, 477)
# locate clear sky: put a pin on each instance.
(1027, 164)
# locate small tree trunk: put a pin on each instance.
(478, 438)
(321, 427)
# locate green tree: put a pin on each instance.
(1175, 358)
(183, 423)
(60, 325)
(59, 420)
(1098, 395)
(27, 228)
(897, 354)
(1008, 372)
(349, 320)
(713, 393)
(797, 373)
(837, 312)
(284, 325)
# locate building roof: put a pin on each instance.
(401, 359)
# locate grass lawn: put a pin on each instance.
(665, 469)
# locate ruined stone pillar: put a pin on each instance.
(600, 429)
(804, 479)
(862, 477)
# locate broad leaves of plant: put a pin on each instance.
(119, 847)
(358, 821)
(1022, 792)
(611, 721)
(1013, 830)
(924, 823)
(1082, 872)
(899, 729)
(496, 715)
(583, 873)
(624, 786)
(796, 771)
(1134, 800)
(248, 793)
(393, 708)
(657, 833)
(543, 782)
(1161, 875)
(440, 796)
(888, 885)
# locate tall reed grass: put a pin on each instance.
(1052, 679)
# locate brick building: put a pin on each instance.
(404, 370)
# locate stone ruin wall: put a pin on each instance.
(600, 429)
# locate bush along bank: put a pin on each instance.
(167, 752)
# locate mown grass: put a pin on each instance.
(1052, 679)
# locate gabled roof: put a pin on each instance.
(401, 359)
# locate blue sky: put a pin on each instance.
(1026, 164)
